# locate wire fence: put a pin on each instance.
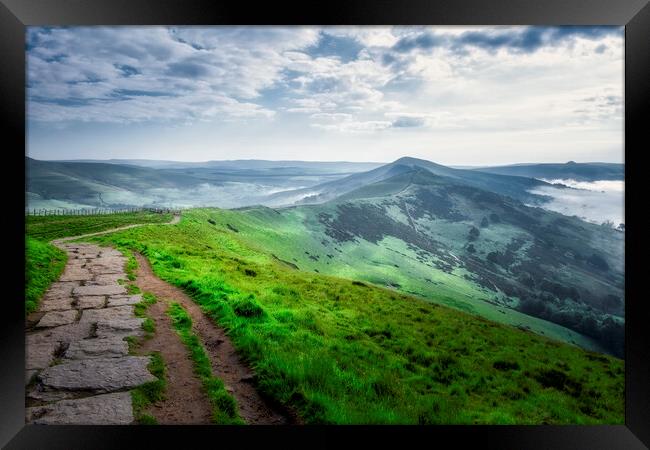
(96, 211)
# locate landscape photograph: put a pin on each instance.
(342, 225)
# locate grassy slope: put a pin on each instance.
(282, 234)
(341, 352)
(53, 227)
(43, 265)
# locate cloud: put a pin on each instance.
(329, 84)
(345, 48)
(347, 123)
(408, 122)
(415, 87)
(355, 126)
(528, 39)
(188, 69)
(100, 69)
(420, 41)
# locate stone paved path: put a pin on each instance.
(78, 370)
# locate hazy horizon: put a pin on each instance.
(321, 161)
(474, 96)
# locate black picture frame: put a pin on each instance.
(15, 15)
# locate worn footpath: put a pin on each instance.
(78, 369)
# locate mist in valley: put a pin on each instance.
(596, 201)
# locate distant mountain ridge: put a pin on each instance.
(513, 186)
(138, 182)
(76, 184)
(237, 164)
(571, 170)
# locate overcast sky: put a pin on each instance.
(463, 96)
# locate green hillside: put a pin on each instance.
(513, 186)
(484, 253)
(46, 228)
(344, 351)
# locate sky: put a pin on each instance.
(452, 95)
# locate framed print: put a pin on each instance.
(366, 219)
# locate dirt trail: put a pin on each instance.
(226, 364)
(185, 402)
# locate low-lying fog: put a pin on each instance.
(596, 201)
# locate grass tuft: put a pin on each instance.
(224, 406)
(44, 263)
(151, 392)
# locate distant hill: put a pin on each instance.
(120, 183)
(242, 164)
(513, 186)
(95, 183)
(570, 170)
(425, 233)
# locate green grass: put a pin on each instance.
(148, 299)
(296, 236)
(140, 310)
(132, 289)
(131, 264)
(224, 406)
(339, 352)
(44, 263)
(46, 228)
(151, 392)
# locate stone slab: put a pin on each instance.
(40, 394)
(75, 274)
(56, 304)
(107, 314)
(123, 301)
(120, 327)
(107, 409)
(99, 290)
(107, 279)
(64, 334)
(93, 301)
(107, 347)
(39, 355)
(113, 261)
(106, 270)
(57, 318)
(108, 252)
(86, 253)
(60, 289)
(98, 375)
